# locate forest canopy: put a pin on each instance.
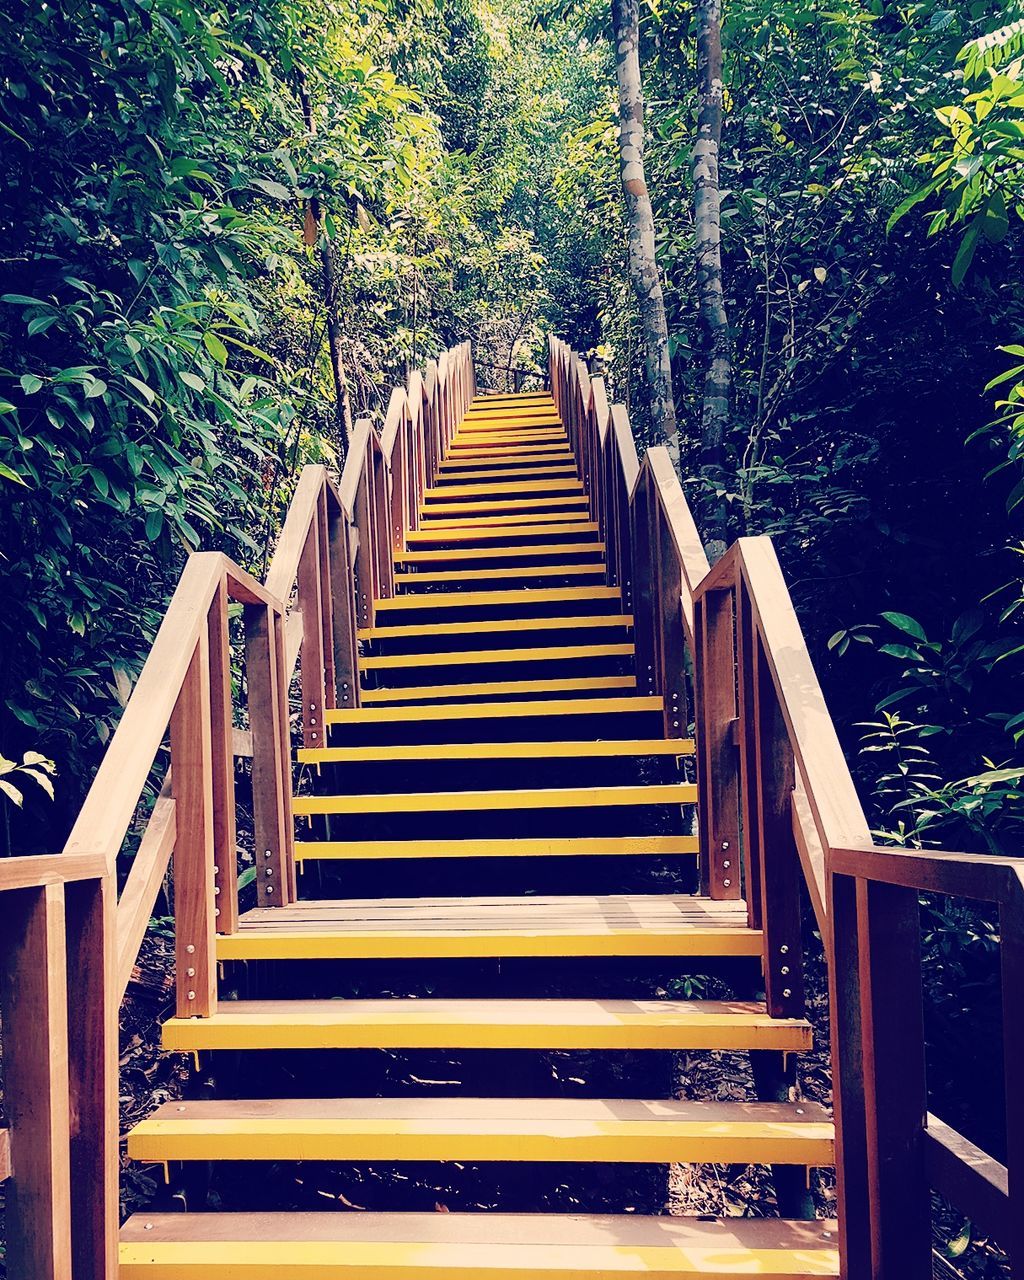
(229, 231)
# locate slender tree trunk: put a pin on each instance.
(643, 266)
(707, 203)
(313, 235)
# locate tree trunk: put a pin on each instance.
(708, 227)
(643, 267)
(314, 236)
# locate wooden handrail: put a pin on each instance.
(775, 788)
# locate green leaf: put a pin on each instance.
(904, 207)
(216, 348)
(11, 792)
(246, 878)
(192, 380)
(905, 623)
(965, 254)
(30, 384)
(276, 189)
(97, 387)
(7, 474)
(143, 388)
(154, 524)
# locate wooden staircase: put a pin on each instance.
(503, 720)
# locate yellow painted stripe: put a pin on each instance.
(431, 692)
(606, 1139)
(460, 475)
(497, 710)
(521, 522)
(671, 793)
(499, 507)
(529, 486)
(505, 462)
(460, 944)
(514, 572)
(501, 553)
(546, 595)
(482, 657)
(486, 1024)
(497, 626)
(532, 847)
(472, 532)
(499, 750)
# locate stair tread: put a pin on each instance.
(521, 595)
(431, 1128)
(501, 505)
(476, 801)
(504, 574)
(486, 533)
(484, 657)
(259, 1246)
(500, 750)
(432, 692)
(520, 551)
(496, 625)
(488, 1024)
(497, 710)
(508, 847)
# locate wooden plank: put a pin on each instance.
(520, 551)
(501, 626)
(719, 759)
(192, 785)
(472, 1129)
(458, 474)
(546, 595)
(5, 1154)
(135, 906)
(482, 657)
(476, 801)
(499, 710)
(487, 1024)
(38, 869)
(34, 1014)
(525, 571)
(403, 752)
(482, 1246)
(976, 1183)
(599, 846)
(519, 522)
(93, 1076)
(475, 533)
(270, 816)
(434, 692)
(313, 669)
(501, 506)
(524, 489)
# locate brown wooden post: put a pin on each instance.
(365, 576)
(326, 600)
(34, 1013)
(289, 889)
(311, 604)
(848, 1082)
(717, 755)
(672, 648)
(343, 596)
(271, 794)
(93, 1075)
(223, 763)
(895, 1099)
(643, 586)
(1011, 953)
(192, 785)
(777, 857)
(747, 733)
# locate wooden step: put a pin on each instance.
(530, 847)
(526, 550)
(501, 506)
(492, 801)
(524, 488)
(469, 599)
(487, 1024)
(466, 532)
(488, 657)
(432, 577)
(497, 626)
(493, 689)
(619, 1130)
(626, 925)
(458, 474)
(481, 453)
(471, 1246)
(497, 710)
(505, 462)
(545, 434)
(637, 747)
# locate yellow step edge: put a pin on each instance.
(478, 453)
(495, 526)
(499, 625)
(498, 710)
(497, 508)
(433, 577)
(482, 1129)
(529, 486)
(487, 1024)
(542, 595)
(482, 479)
(432, 692)
(500, 553)
(487, 657)
(476, 1246)
(503, 462)
(611, 748)
(670, 793)
(492, 439)
(535, 847)
(476, 533)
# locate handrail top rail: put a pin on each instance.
(37, 870)
(107, 810)
(987, 877)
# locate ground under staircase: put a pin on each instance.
(505, 735)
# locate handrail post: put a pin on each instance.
(271, 765)
(717, 759)
(672, 646)
(343, 588)
(192, 784)
(310, 600)
(223, 763)
(640, 537)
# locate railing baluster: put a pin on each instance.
(717, 760)
(326, 605)
(311, 605)
(222, 757)
(271, 766)
(192, 784)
